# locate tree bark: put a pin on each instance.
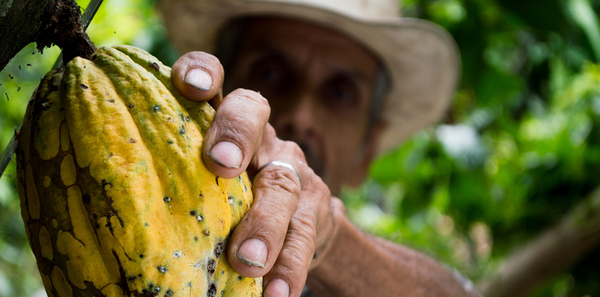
(555, 250)
(45, 22)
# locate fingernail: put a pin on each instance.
(199, 79)
(226, 154)
(253, 252)
(277, 288)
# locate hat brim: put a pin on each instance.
(421, 57)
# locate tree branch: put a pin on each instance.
(555, 250)
(45, 22)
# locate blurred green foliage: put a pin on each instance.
(518, 148)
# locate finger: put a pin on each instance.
(302, 239)
(260, 235)
(198, 76)
(235, 133)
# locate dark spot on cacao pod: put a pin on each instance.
(156, 108)
(87, 198)
(222, 292)
(167, 199)
(212, 290)
(131, 279)
(18, 88)
(19, 67)
(84, 86)
(140, 275)
(162, 269)
(111, 100)
(132, 140)
(217, 180)
(11, 77)
(222, 271)
(141, 255)
(193, 213)
(109, 226)
(206, 232)
(155, 66)
(170, 141)
(219, 248)
(7, 99)
(201, 195)
(187, 119)
(240, 277)
(28, 64)
(210, 267)
(131, 105)
(240, 203)
(195, 238)
(169, 293)
(157, 289)
(146, 224)
(105, 183)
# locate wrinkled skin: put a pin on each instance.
(318, 85)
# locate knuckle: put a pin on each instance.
(337, 204)
(302, 226)
(293, 148)
(269, 133)
(275, 216)
(255, 97)
(240, 124)
(199, 56)
(315, 186)
(276, 178)
(295, 257)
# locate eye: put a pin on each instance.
(268, 73)
(340, 93)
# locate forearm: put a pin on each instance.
(358, 264)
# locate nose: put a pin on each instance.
(295, 121)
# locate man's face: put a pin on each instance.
(319, 85)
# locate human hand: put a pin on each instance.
(291, 217)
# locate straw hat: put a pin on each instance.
(421, 57)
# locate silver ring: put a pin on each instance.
(281, 164)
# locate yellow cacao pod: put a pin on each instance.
(114, 194)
